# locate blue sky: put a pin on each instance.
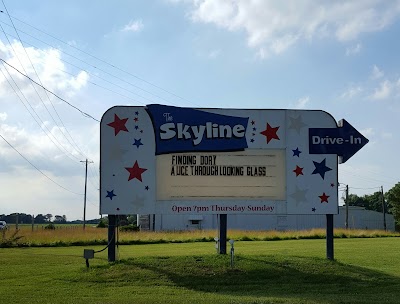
(341, 57)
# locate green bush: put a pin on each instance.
(102, 224)
(50, 226)
(131, 227)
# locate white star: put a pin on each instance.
(116, 153)
(138, 201)
(299, 195)
(296, 123)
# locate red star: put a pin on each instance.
(136, 119)
(270, 133)
(298, 171)
(324, 197)
(135, 172)
(118, 124)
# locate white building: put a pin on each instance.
(358, 218)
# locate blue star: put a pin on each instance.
(252, 140)
(254, 129)
(136, 113)
(147, 188)
(138, 142)
(321, 168)
(313, 209)
(136, 127)
(110, 194)
(296, 152)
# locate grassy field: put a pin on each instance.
(366, 270)
(66, 235)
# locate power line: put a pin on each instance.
(37, 93)
(51, 103)
(371, 188)
(54, 94)
(365, 178)
(103, 61)
(89, 73)
(95, 67)
(42, 125)
(375, 173)
(38, 168)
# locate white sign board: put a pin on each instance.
(242, 175)
(169, 160)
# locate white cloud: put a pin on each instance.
(355, 49)
(280, 45)
(383, 91)
(368, 132)
(133, 26)
(351, 92)
(387, 135)
(376, 73)
(214, 54)
(262, 53)
(72, 43)
(302, 102)
(274, 26)
(3, 116)
(47, 64)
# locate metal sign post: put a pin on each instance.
(329, 237)
(112, 220)
(223, 223)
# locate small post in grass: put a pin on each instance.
(216, 239)
(87, 255)
(232, 252)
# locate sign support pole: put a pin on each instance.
(329, 237)
(223, 223)
(111, 237)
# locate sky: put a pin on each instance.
(338, 56)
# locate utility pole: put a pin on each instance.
(347, 206)
(383, 208)
(84, 197)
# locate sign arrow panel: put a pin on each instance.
(344, 141)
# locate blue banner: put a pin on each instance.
(189, 130)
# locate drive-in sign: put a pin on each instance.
(344, 141)
(164, 159)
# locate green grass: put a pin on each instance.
(294, 271)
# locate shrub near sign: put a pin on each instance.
(161, 159)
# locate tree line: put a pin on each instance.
(391, 202)
(23, 218)
(369, 202)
